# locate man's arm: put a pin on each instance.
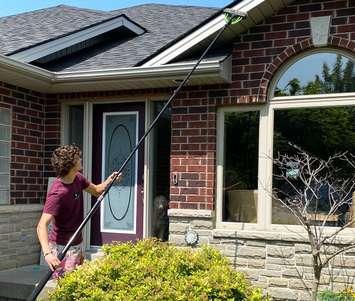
(96, 190)
(42, 233)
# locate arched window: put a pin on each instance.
(317, 73)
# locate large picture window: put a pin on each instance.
(311, 106)
(5, 155)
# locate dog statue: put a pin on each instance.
(160, 218)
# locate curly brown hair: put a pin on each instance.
(64, 158)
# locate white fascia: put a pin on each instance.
(36, 52)
(200, 34)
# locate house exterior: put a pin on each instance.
(98, 79)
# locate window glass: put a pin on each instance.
(5, 154)
(76, 123)
(322, 133)
(319, 73)
(240, 169)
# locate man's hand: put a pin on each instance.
(52, 261)
(119, 177)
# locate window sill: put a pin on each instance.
(292, 233)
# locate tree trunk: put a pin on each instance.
(317, 268)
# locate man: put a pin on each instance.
(64, 209)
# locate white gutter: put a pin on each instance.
(200, 34)
(26, 75)
(173, 70)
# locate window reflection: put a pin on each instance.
(322, 133)
(240, 185)
(320, 73)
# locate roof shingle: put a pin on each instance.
(164, 24)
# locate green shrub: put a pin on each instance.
(345, 295)
(150, 270)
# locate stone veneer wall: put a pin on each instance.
(280, 263)
(18, 239)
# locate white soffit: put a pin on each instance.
(47, 48)
(257, 11)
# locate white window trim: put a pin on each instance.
(220, 161)
(266, 136)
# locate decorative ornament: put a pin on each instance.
(191, 237)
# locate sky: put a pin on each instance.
(12, 7)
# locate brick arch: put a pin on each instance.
(293, 50)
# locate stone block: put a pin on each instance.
(202, 224)
(259, 235)
(256, 243)
(304, 260)
(5, 229)
(7, 264)
(251, 252)
(281, 261)
(221, 233)
(241, 262)
(300, 284)
(296, 272)
(304, 295)
(253, 274)
(256, 263)
(282, 252)
(271, 273)
(344, 262)
(229, 252)
(274, 267)
(282, 293)
(177, 240)
(303, 248)
(277, 281)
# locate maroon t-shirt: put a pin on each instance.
(65, 203)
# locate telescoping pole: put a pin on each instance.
(231, 17)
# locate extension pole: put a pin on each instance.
(61, 255)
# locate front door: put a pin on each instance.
(116, 130)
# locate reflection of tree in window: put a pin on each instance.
(335, 77)
(321, 132)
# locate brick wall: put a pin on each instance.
(51, 132)
(27, 186)
(256, 57)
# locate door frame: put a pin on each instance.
(87, 154)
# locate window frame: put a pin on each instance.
(7, 202)
(220, 169)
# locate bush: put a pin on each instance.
(345, 295)
(150, 270)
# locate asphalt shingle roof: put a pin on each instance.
(28, 29)
(164, 24)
